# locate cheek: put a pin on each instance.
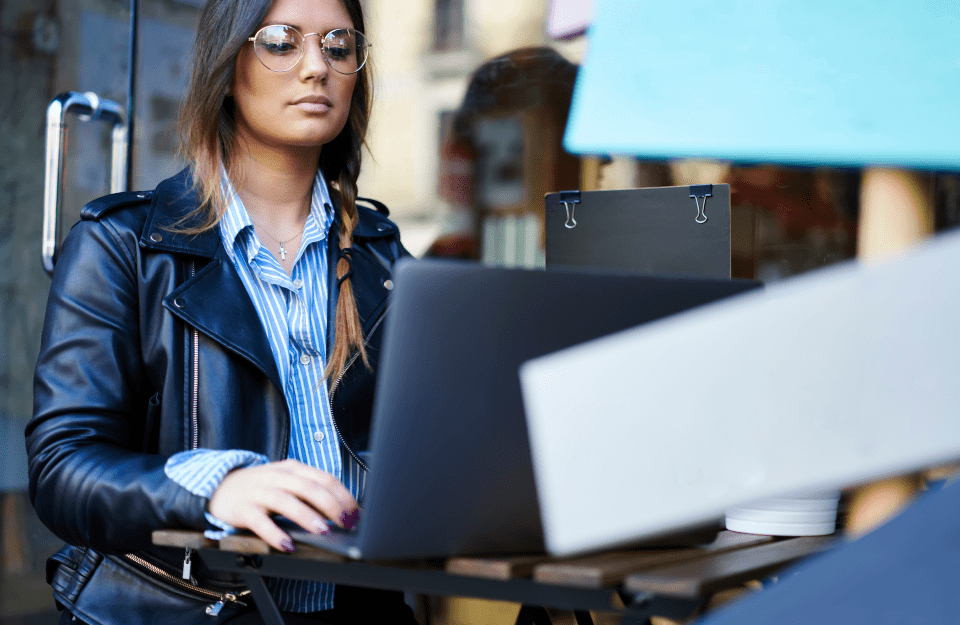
(347, 87)
(345, 95)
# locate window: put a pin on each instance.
(448, 25)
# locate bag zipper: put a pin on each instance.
(213, 609)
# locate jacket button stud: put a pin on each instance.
(388, 285)
(179, 303)
(143, 196)
(381, 227)
(156, 237)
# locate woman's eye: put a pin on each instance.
(279, 47)
(338, 53)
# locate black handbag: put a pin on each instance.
(116, 590)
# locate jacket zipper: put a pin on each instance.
(220, 598)
(336, 383)
(333, 390)
(194, 420)
(195, 365)
(214, 608)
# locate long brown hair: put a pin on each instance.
(208, 141)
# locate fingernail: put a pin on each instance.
(287, 545)
(320, 527)
(349, 519)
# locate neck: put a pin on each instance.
(276, 186)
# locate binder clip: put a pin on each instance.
(698, 191)
(570, 199)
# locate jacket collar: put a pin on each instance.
(173, 209)
(215, 301)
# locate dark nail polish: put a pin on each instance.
(287, 545)
(349, 519)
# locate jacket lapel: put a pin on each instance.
(214, 300)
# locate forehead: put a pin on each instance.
(309, 15)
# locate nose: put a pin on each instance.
(313, 65)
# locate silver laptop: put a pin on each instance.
(450, 460)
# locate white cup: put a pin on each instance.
(799, 514)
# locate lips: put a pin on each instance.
(314, 104)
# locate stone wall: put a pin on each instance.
(27, 75)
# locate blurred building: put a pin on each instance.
(423, 58)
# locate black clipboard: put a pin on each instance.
(684, 229)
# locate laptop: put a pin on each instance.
(682, 229)
(451, 471)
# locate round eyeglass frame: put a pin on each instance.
(303, 38)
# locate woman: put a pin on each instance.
(209, 349)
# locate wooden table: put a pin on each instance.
(635, 584)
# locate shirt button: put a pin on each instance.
(297, 283)
(305, 359)
(318, 436)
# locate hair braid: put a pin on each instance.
(349, 334)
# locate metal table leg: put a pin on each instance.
(268, 609)
(533, 615)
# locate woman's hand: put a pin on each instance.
(307, 496)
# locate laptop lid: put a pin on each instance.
(684, 229)
(450, 468)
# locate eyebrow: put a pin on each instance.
(299, 27)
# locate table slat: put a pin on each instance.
(705, 575)
(503, 568)
(182, 539)
(609, 569)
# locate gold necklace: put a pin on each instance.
(282, 250)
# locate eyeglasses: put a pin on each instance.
(280, 48)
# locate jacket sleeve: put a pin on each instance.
(91, 480)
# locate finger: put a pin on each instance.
(263, 526)
(317, 488)
(304, 515)
(324, 479)
(320, 496)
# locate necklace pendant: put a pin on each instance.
(283, 253)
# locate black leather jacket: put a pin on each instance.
(151, 346)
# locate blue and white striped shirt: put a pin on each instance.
(292, 310)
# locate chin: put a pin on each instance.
(312, 135)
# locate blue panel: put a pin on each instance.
(839, 82)
(903, 572)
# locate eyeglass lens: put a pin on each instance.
(281, 47)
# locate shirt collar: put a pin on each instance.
(237, 228)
